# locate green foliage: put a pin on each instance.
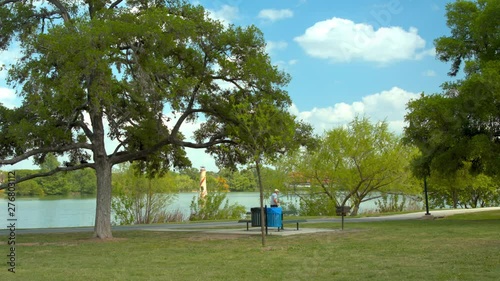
(463, 189)
(139, 199)
(185, 183)
(290, 207)
(353, 162)
(474, 36)
(30, 188)
(391, 203)
(240, 180)
(317, 205)
(458, 132)
(463, 124)
(215, 206)
(273, 178)
(83, 181)
(55, 185)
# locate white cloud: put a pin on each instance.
(7, 58)
(274, 15)
(226, 14)
(429, 52)
(7, 94)
(387, 105)
(275, 45)
(7, 97)
(284, 65)
(342, 40)
(429, 73)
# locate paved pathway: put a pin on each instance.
(205, 226)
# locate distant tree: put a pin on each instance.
(185, 183)
(354, 164)
(55, 184)
(191, 172)
(139, 199)
(83, 181)
(463, 189)
(133, 72)
(240, 180)
(273, 178)
(29, 188)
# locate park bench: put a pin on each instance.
(248, 222)
(292, 221)
(287, 221)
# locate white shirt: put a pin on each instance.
(274, 199)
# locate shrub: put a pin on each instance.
(317, 205)
(215, 206)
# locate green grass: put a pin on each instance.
(462, 247)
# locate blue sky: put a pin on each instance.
(346, 58)
(349, 57)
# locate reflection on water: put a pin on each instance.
(59, 211)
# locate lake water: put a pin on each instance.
(72, 212)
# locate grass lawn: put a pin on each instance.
(462, 247)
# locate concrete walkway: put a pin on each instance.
(240, 228)
(292, 231)
(252, 231)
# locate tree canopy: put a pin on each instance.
(133, 72)
(462, 125)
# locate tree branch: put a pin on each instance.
(204, 145)
(183, 117)
(85, 129)
(116, 3)
(5, 2)
(225, 79)
(49, 173)
(62, 9)
(123, 156)
(34, 152)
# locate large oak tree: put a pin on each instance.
(133, 72)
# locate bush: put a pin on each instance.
(317, 205)
(291, 208)
(140, 200)
(139, 208)
(390, 203)
(210, 208)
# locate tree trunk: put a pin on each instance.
(354, 210)
(102, 227)
(262, 212)
(355, 207)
